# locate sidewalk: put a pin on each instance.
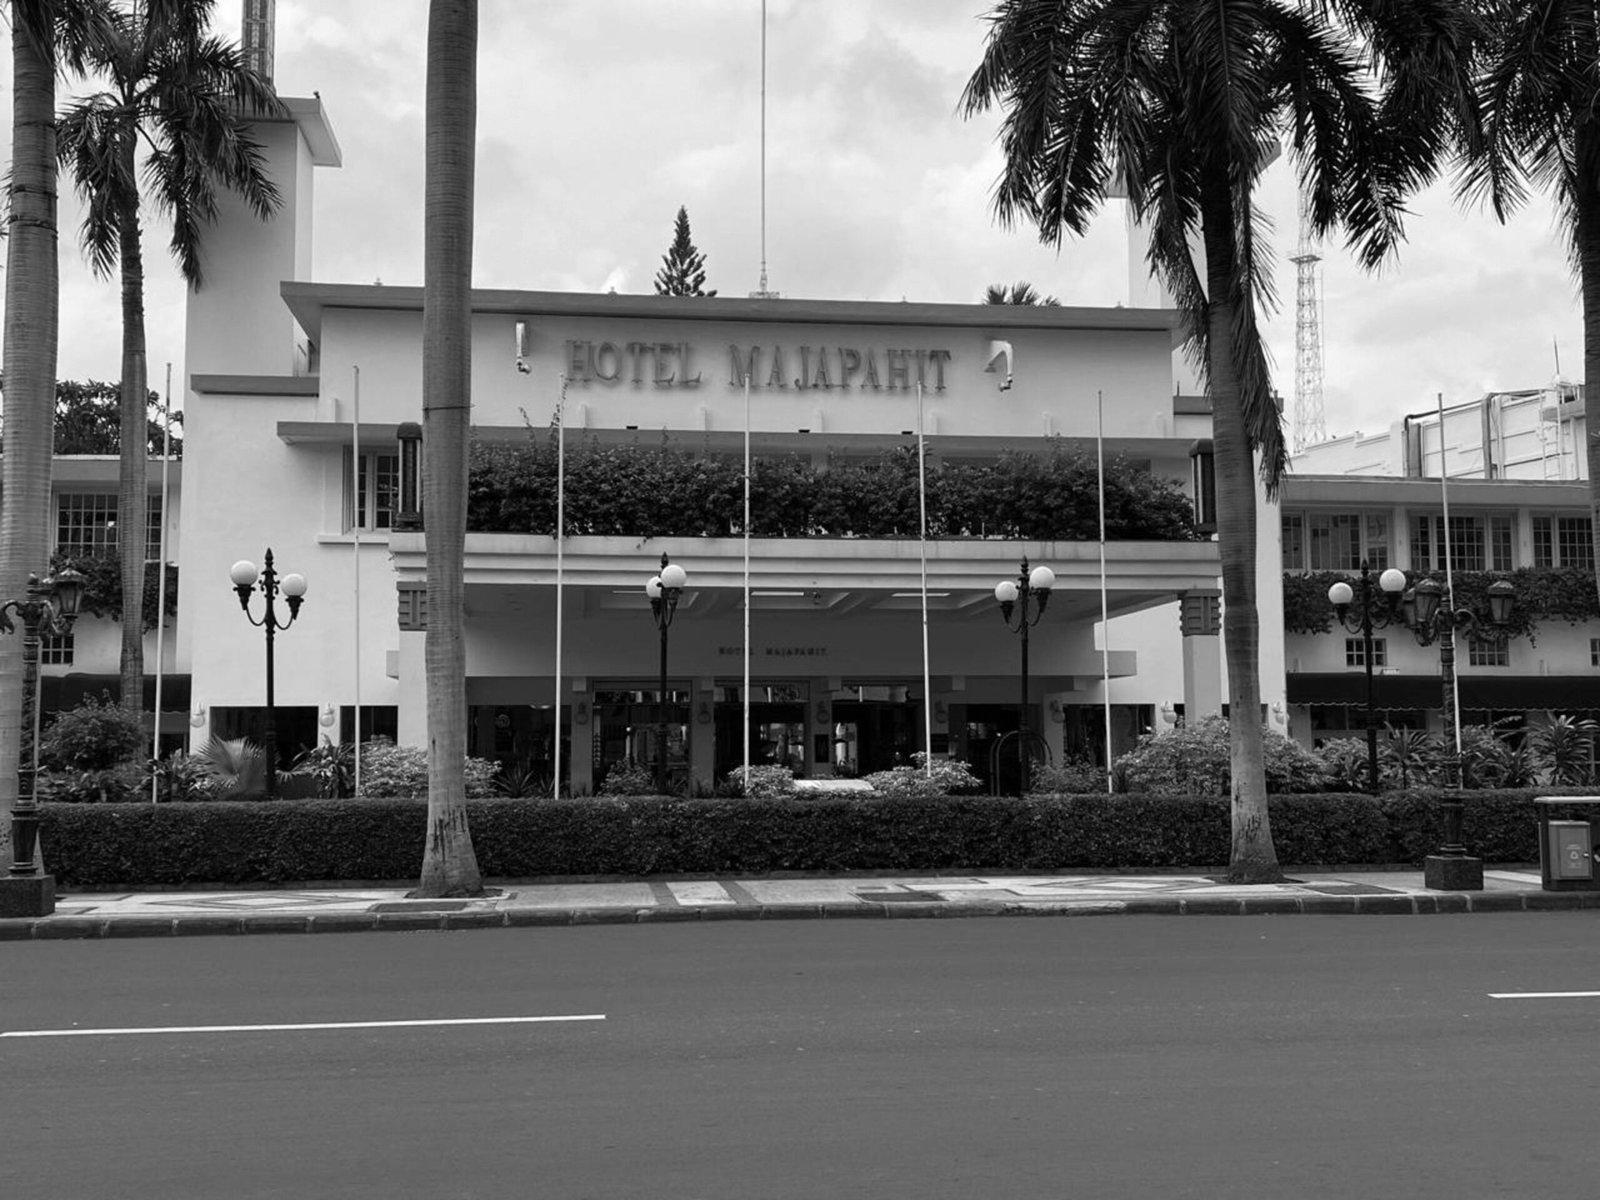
(320, 909)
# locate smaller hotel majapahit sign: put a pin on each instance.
(678, 365)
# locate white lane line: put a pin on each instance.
(21, 1033)
(1538, 995)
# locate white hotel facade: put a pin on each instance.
(276, 363)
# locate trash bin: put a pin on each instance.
(1567, 859)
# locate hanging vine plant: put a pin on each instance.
(102, 585)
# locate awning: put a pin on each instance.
(1558, 693)
(60, 692)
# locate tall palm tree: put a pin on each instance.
(1021, 292)
(1184, 103)
(1541, 88)
(43, 35)
(189, 97)
(449, 864)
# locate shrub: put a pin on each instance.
(764, 782)
(948, 777)
(232, 769)
(1563, 749)
(178, 776)
(101, 785)
(1195, 760)
(330, 769)
(628, 779)
(95, 736)
(400, 771)
(1076, 777)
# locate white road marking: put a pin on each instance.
(1538, 995)
(20, 1033)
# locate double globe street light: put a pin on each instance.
(1392, 583)
(246, 579)
(664, 590)
(47, 609)
(1025, 598)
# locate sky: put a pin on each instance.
(597, 119)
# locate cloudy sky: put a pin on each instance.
(598, 118)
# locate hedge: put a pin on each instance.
(299, 841)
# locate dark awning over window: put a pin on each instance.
(60, 692)
(1560, 693)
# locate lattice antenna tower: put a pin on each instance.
(1310, 425)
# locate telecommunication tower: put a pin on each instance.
(1310, 426)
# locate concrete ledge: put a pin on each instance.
(475, 919)
(1385, 904)
(404, 921)
(208, 923)
(1493, 901)
(141, 927)
(1212, 906)
(67, 927)
(276, 923)
(341, 922)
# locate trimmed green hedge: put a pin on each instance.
(291, 841)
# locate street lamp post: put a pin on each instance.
(1014, 598)
(245, 580)
(1431, 622)
(664, 590)
(1392, 583)
(47, 608)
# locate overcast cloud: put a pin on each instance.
(598, 118)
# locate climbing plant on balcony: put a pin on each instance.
(102, 586)
(1541, 594)
(643, 491)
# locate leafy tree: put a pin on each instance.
(1542, 127)
(449, 864)
(683, 267)
(46, 35)
(189, 98)
(1183, 102)
(94, 736)
(1020, 292)
(89, 420)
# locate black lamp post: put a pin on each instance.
(1430, 622)
(48, 608)
(1031, 586)
(664, 590)
(1392, 583)
(293, 587)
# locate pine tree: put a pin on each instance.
(683, 267)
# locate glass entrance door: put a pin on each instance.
(776, 733)
(874, 734)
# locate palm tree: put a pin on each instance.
(1183, 102)
(449, 865)
(190, 98)
(1541, 88)
(43, 35)
(1021, 292)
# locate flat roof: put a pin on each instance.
(308, 301)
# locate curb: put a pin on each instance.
(208, 924)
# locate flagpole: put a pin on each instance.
(922, 544)
(161, 586)
(355, 568)
(745, 690)
(561, 536)
(1105, 624)
(1449, 582)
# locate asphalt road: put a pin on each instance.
(1233, 1057)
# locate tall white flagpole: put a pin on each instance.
(1105, 623)
(561, 579)
(745, 691)
(1449, 576)
(922, 543)
(161, 585)
(355, 568)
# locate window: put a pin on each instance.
(1563, 542)
(1335, 541)
(1594, 652)
(1477, 543)
(56, 650)
(86, 524)
(1488, 652)
(1354, 655)
(375, 499)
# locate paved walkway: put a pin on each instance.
(343, 909)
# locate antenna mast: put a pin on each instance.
(1310, 425)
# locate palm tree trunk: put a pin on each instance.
(449, 865)
(132, 491)
(29, 365)
(1586, 235)
(1252, 858)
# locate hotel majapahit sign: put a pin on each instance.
(772, 367)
